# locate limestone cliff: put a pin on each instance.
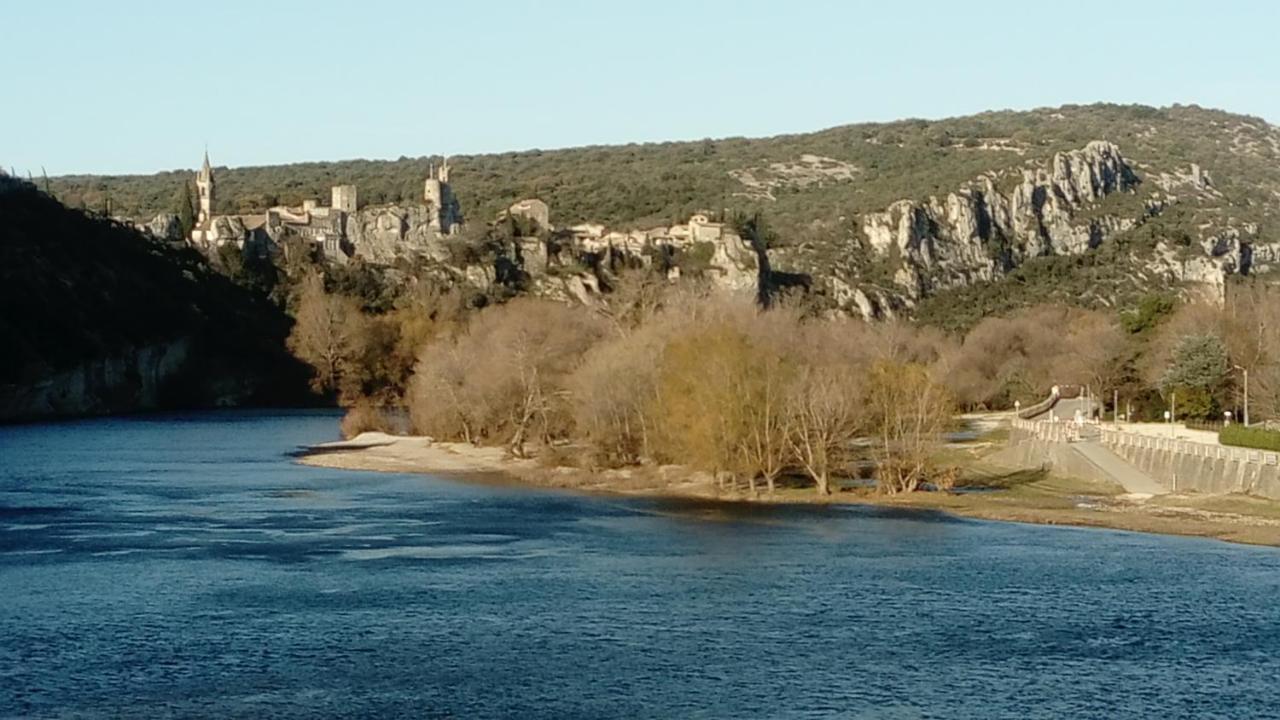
(1074, 203)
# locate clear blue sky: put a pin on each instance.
(124, 87)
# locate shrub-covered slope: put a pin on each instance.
(95, 317)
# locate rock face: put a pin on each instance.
(128, 381)
(1066, 206)
(1219, 254)
(165, 226)
(573, 265)
(382, 234)
(978, 232)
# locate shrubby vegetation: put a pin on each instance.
(1250, 437)
(1147, 356)
(712, 383)
(659, 183)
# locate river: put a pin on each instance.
(184, 566)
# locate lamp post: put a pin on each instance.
(1245, 371)
(1173, 413)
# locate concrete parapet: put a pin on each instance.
(1182, 465)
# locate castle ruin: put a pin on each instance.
(341, 230)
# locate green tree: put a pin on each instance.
(184, 209)
(1197, 374)
(1199, 361)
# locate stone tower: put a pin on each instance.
(344, 198)
(204, 187)
(431, 191)
(446, 213)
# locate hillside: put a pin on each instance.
(874, 213)
(97, 317)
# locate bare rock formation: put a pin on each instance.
(382, 234)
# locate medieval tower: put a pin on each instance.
(439, 195)
(204, 187)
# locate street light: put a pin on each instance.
(1246, 392)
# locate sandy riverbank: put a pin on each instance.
(1008, 494)
(389, 453)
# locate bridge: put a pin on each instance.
(1065, 430)
(1069, 415)
(1065, 402)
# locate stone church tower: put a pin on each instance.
(204, 188)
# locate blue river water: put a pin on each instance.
(185, 566)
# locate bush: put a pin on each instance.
(1250, 437)
(364, 417)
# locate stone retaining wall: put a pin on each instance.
(1181, 465)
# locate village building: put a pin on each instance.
(330, 228)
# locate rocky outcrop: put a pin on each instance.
(165, 226)
(1219, 254)
(978, 232)
(382, 234)
(128, 381)
(990, 226)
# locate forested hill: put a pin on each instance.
(947, 221)
(97, 317)
(805, 182)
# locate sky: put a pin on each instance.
(120, 86)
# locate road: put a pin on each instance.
(1131, 478)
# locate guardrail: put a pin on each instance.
(1116, 437)
(1052, 431)
(1040, 407)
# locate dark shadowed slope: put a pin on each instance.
(95, 317)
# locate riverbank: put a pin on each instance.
(988, 492)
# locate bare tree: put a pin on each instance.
(909, 414)
(614, 390)
(325, 332)
(824, 416)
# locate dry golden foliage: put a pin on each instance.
(363, 416)
(1021, 356)
(909, 412)
(325, 333)
(505, 375)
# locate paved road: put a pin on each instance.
(1134, 480)
(1065, 409)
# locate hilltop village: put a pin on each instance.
(340, 229)
(381, 234)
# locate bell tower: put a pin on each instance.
(204, 189)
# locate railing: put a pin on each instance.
(1052, 431)
(1116, 437)
(1040, 407)
(1119, 438)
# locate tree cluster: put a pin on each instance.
(711, 383)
